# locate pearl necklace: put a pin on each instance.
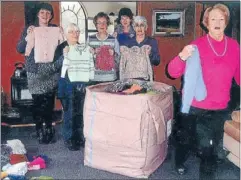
(225, 48)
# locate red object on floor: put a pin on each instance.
(17, 158)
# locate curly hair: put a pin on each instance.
(101, 15)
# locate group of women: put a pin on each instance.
(220, 63)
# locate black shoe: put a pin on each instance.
(207, 169)
(50, 135)
(181, 169)
(78, 138)
(41, 136)
(222, 156)
(80, 143)
(72, 145)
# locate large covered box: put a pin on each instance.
(127, 134)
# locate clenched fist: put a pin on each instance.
(186, 52)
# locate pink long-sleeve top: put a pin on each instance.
(44, 40)
(218, 71)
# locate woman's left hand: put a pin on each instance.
(114, 34)
(65, 50)
(148, 50)
(61, 30)
(111, 51)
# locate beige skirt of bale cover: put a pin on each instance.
(127, 134)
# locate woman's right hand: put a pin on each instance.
(92, 51)
(30, 29)
(66, 50)
(114, 34)
(122, 49)
(186, 52)
(97, 50)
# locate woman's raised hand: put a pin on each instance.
(30, 29)
(186, 52)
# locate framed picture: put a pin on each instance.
(168, 22)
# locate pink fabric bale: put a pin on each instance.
(127, 134)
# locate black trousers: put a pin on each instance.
(72, 98)
(43, 106)
(199, 130)
(78, 107)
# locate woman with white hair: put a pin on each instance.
(75, 76)
(140, 27)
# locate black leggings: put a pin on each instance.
(43, 105)
(198, 130)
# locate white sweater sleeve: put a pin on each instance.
(92, 67)
(64, 67)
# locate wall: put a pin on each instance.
(169, 47)
(12, 24)
(93, 8)
(12, 16)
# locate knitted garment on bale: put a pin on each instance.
(120, 85)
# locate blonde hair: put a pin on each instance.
(223, 8)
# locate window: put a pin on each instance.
(74, 12)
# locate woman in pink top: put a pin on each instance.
(220, 63)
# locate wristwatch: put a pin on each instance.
(181, 57)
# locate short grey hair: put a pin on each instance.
(140, 19)
(71, 26)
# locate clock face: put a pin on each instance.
(73, 12)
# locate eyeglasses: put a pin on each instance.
(99, 23)
(74, 32)
(139, 25)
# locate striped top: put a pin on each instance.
(100, 74)
(79, 64)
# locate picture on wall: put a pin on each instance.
(168, 22)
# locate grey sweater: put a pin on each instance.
(42, 77)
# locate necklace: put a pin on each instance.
(225, 48)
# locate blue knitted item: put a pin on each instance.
(194, 86)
